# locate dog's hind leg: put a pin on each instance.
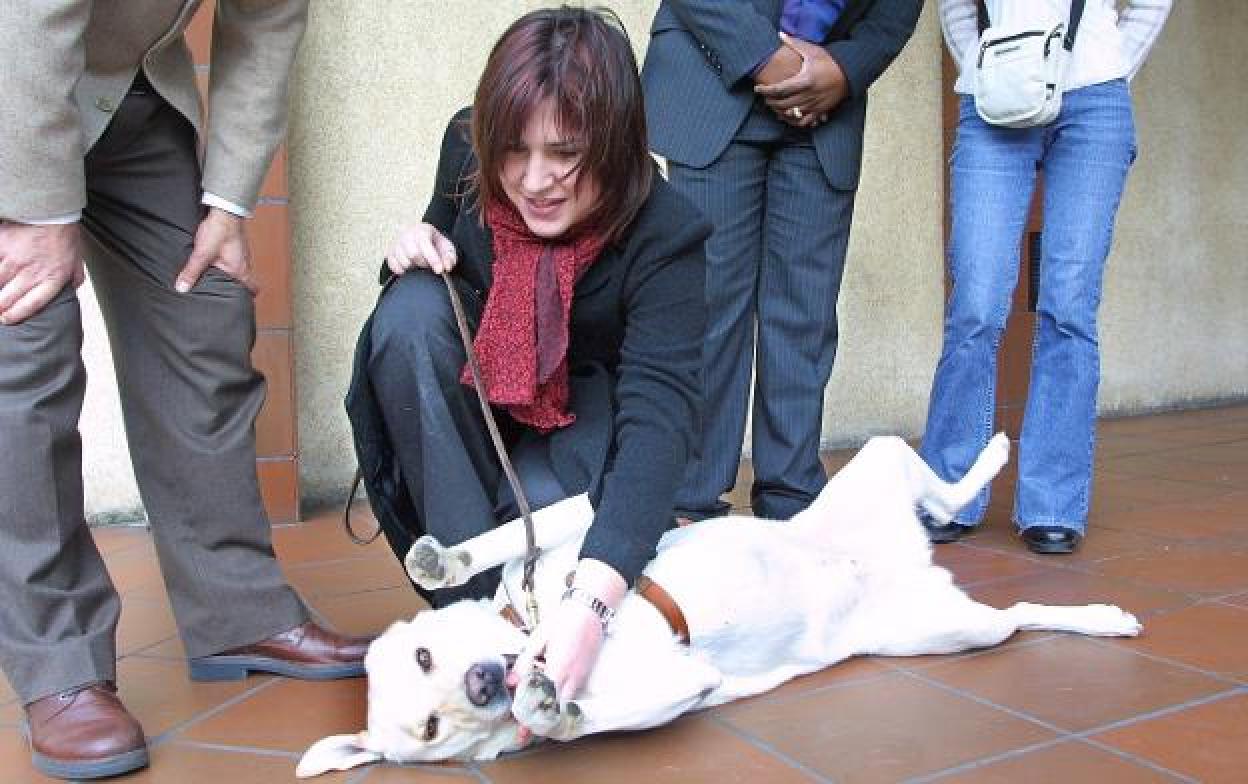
(930, 619)
(1098, 620)
(433, 566)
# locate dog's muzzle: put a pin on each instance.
(484, 682)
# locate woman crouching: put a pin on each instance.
(583, 276)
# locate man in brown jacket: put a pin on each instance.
(99, 158)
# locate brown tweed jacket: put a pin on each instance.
(68, 63)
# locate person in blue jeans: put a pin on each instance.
(1084, 154)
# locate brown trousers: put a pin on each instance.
(189, 397)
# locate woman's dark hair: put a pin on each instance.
(582, 60)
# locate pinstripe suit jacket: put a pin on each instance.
(697, 74)
(68, 63)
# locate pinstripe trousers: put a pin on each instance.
(774, 266)
(189, 397)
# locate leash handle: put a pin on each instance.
(530, 535)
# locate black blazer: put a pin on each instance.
(635, 337)
(697, 74)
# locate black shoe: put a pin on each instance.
(943, 533)
(1051, 539)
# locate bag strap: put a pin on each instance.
(1072, 26)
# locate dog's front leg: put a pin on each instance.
(637, 683)
(433, 566)
(536, 706)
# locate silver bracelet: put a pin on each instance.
(597, 606)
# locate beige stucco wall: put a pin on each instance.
(1175, 314)
(376, 81)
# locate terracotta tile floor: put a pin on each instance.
(1169, 541)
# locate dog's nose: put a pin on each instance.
(483, 682)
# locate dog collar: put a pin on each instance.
(645, 588)
(663, 602)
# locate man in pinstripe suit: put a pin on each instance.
(758, 107)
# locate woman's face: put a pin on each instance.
(541, 178)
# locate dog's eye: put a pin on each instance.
(431, 727)
(424, 659)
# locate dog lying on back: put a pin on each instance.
(761, 602)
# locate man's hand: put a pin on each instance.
(35, 264)
(785, 63)
(807, 98)
(219, 242)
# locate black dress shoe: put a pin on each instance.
(943, 533)
(1051, 539)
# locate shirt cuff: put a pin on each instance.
(213, 200)
(56, 220)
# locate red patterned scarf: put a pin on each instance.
(522, 343)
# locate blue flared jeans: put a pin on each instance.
(1085, 155)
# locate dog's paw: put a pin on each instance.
(536, 706)
(1107, 620)
(432, 566)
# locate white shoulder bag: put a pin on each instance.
(1021, 67)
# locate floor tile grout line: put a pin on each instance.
(1018, 714)
(1159, 713)
(1138, 760)
(985, 761)
(1086, 734)
(175, 731)
(1052, 743)
(1085, 569)
(231, 748)
(1177, 664)
(1234, 690)
(767, 748)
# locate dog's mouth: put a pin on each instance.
(509, 662)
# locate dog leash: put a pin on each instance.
(530, 535)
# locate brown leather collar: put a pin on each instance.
(663, 602)
(645, 588)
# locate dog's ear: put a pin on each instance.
(337, 752)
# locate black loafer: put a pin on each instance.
(1051, 539)
(943, 533)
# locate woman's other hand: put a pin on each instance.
(571, 635)
(421, 246)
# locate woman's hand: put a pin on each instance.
(422, 246)
(571, 634)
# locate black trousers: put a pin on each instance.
(434, 423)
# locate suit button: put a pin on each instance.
(105, 104)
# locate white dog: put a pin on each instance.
(764, 601)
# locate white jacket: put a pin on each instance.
(1109, 45)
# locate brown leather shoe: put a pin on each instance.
(306, 651)
(85, 733)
